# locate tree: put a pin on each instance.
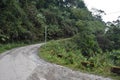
(87, 43)
(86, 40)
(98, 13)
(22, 19)
(113, 34)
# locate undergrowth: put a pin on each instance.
(66, 53)
(4, 47)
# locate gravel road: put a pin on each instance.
(24, 64)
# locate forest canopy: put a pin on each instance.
(22, 20)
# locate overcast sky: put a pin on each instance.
(111, 8)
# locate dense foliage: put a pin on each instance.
(66, 52)
(25, 20)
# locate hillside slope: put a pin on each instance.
(26, 20)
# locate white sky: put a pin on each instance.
(111, 8)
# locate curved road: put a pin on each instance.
(24, 64)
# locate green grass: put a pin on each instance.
(8, 46)
(65, 52)
(5, 47)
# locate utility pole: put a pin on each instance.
(45, 34)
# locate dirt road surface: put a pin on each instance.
(24, 64)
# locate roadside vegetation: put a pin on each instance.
(5, 47)
(66, 52)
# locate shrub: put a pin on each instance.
(86, 43)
